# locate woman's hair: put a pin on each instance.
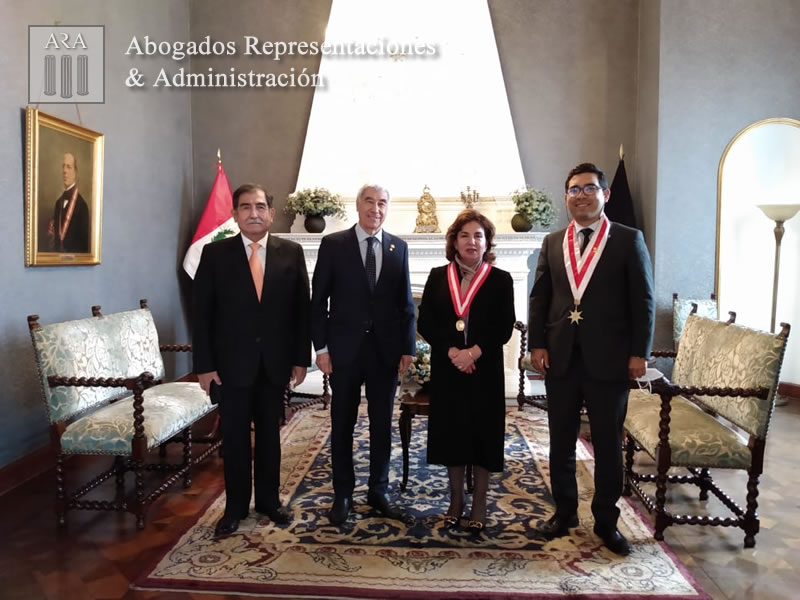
(464, 217)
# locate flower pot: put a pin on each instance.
(520, 223)
(315, 223)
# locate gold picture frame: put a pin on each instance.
(63, 192)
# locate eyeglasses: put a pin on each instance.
(588, 189)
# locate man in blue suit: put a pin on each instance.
(362, 326)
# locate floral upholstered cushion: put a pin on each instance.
(713, 353)
(696, 438)
(168, 408)
(682, 308)
(118, 345)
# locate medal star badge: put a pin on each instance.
(575, 316)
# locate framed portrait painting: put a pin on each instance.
(63, 192)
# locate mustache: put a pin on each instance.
(254, 221)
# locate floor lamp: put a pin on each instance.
(779, 213)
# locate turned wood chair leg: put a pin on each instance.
(630, 449)
(704, 481)
(750, 518)
(61, 504)
(405, 440)
(187, 456)
(139, 502)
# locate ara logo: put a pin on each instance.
(66, 64)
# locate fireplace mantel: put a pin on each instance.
(426, 251)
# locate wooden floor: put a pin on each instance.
(100, 553)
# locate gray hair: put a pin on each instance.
(366, 186)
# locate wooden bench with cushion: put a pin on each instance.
(101, 381)
(724, 381)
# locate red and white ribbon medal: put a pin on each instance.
(581, 268)
(461, 303)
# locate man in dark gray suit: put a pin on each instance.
(590, 331)
(362, 325)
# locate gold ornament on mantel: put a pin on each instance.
(470, 198)
(427, 221)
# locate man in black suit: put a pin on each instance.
(69, 229)
(590, 332)
(251, 336)
(362, 324)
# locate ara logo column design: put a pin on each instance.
(64, 61)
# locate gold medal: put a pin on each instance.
(576, 315)
(460, 325)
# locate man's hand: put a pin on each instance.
(405, 362)
(298, 375)
(540, 359)
(637, 367)
(205, 380)
(51, 232)
(324, 363)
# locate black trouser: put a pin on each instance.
(381, 385)
(261, 403)
(606, 404)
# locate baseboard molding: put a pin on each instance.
(26, 468)
(790, 390)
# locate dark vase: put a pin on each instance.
(520, 223)
(315, 223)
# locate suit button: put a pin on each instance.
(258, 340)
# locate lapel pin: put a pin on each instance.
(391, 247)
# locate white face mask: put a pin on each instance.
(646, 380)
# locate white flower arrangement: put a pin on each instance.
(317, 201)
(420, 369)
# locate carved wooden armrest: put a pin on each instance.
(665, 388)
(663, 354)
(143, 381)
(175, 347)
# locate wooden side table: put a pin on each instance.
(411, 405)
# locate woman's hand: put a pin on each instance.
(463, 360)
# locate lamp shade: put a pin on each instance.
(779, 212)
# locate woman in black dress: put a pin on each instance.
(467, 315)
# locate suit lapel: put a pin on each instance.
(274, 258)
(240, 269)
(388, 260)
(354, 257)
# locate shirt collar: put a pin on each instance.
(594, 226)
(262, 242)
(363, 235)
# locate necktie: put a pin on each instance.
(587, 233)
(256, 269)
(369, 264)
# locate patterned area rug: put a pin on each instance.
(371, 557)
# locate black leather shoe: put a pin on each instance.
(225, 527)
(381, 503)
(557, 526)
(280, 515)
(614, 541)
(340, 509)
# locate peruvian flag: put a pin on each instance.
(216, 222)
